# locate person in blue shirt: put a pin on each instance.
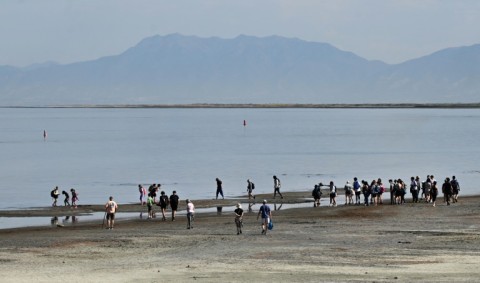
(266, 213)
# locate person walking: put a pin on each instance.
(150, 203)
(333, 194)
(163, 202)
(54, 194)
(174, 203)
(317, 194)
(110, 209)
(250, 188)
(190, 214)
(276, 187)
(74, 197)
(66, 201)
(455, 189)
(414, 189)
(239, 218)
(219, 188)
(266, 214)
(358, 190)
(447, 190)
(433, 192)
(143, 193)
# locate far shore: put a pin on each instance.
(265, 105)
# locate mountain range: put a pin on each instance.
(178, 69)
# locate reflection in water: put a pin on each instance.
(219, 210)
(277, 208)
(54, 221)
(250, 206)
(66, 219)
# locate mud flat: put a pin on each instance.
(385, 243)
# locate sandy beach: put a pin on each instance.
(385, 243)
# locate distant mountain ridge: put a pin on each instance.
(175, 69)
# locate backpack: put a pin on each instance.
(163, 200)
(253, 185)
(52, 193)
(454, 185)
(316, 193)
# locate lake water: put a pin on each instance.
(103, 152)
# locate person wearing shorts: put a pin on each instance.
(110, 208)
(163, 202)
(266, 214)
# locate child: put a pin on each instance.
(67, 198)
(74, 197)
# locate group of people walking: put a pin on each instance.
(250, 187)
(55, 194)
(163, 201)
(426, 191)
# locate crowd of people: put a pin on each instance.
(421, 191)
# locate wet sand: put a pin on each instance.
(400, 243)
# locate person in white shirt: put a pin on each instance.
(190, 214)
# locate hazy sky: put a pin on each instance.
(65, 31)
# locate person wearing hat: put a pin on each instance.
(239, 218)
(266, 213)
(190, 214)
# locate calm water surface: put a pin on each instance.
(103, 152)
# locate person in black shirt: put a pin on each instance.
(66, 201)
(174, 204)
(239, 218)
(163, 204)
(219, 188)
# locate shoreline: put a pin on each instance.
(473, 105)
(291, 197)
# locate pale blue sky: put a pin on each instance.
(64, 31)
